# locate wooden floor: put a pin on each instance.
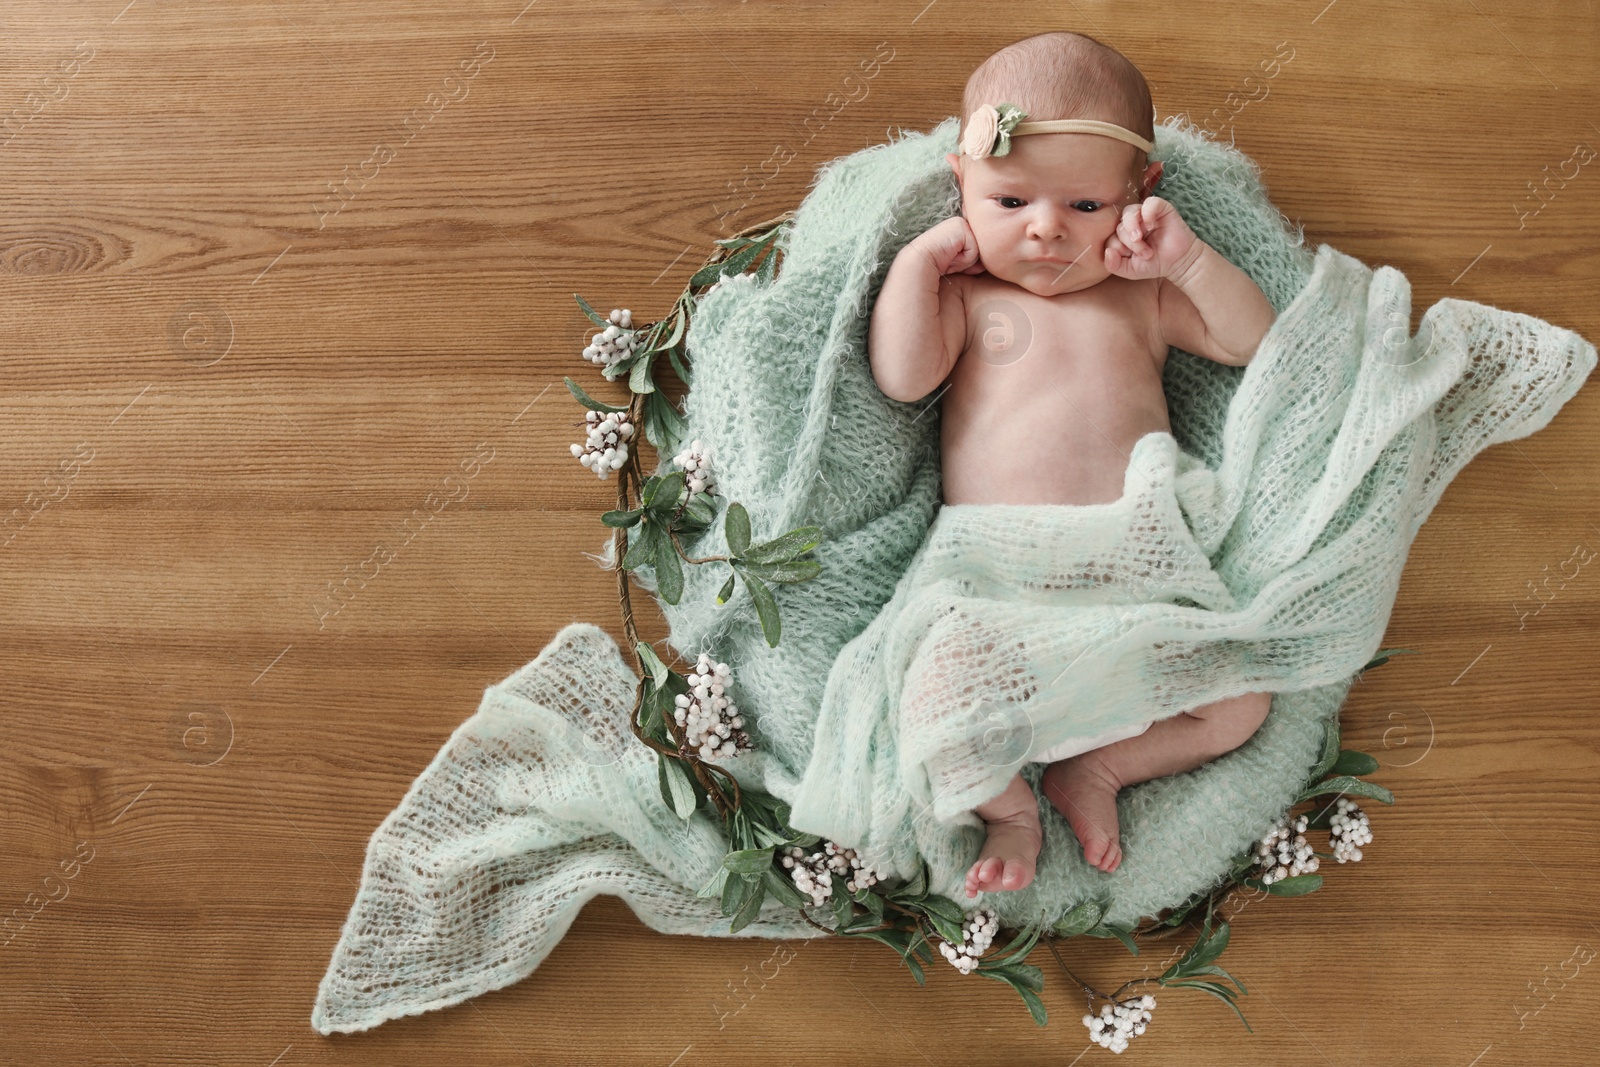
(284, 282)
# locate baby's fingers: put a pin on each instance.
(1132, 231)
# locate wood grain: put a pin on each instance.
(263, 292)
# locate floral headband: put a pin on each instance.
(990, 129)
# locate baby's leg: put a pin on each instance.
(1084, 788)
(948, 682)
(1011, 851)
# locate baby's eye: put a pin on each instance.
(1003, 199)
(1094, 205)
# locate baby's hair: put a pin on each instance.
(1063, 75)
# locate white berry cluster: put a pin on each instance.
(1114, 1027)
(616, 342)
(1284, 851)
(695, 461)
(977, 935)
(710, 721)
(606, 448)
(812, 874)
(1350, 830)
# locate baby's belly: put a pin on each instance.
(1049, 446)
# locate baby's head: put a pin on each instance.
(1055, 195)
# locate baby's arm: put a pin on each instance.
(919, 321)
(1207, 305)
(1213, 309)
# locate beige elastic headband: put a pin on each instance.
(990, 129)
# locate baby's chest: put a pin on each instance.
(1021, 339)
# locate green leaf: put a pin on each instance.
(915, 888)
(642, 542)
(594, 316)
(802, 570)
(1121, 933)
(1330, 748)
(1029, 997)
(679, 367)
(873, 902)
(768, 268)
(792, 544)
(652, 724)
(739, 831)
(916, 968)
(1221, 992)
(1027, 975)
(1212, 969)
(946, 915)
(748, 861)
(714, 887)
(1352, 762)
(652, 663)
(586, 400)
(1381, 657)
(621, 519)
(734, 264)
(727, 589)
(1348, 786)
(736, 524)
(698, 512)
(1018, 949)
(893, 939)
(783, 889)
(639, 376)
(1080, 919)
(679, 322)
(766, 608)
(944, 907)
(669, 571)
(1036, 1006)
(1206, 948)
(1298, 886)
(677, 788)
(664, 424)
(660, 493)
(734, 890)
(749, 909)
(842, 909)
(859, 923)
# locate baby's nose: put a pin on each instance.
(1048, 222)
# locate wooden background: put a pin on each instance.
(254, 315)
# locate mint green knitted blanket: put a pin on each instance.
(1258, 546)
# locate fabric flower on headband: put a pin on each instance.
(989, 130)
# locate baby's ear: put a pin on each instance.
(1152, 175)
(954, 160)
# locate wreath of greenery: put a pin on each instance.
(655, 514)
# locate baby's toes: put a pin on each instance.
(979, 877)
(1112, 858)
(1016, 875)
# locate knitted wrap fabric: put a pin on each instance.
(1258, 546)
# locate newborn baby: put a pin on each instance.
(1050, 302)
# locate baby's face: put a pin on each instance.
(1041, 213)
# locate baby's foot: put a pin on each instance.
(1010, 853)
(1084, 791)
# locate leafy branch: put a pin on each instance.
(655, 515)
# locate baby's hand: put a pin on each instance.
(1152, 241)
(952, 247)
